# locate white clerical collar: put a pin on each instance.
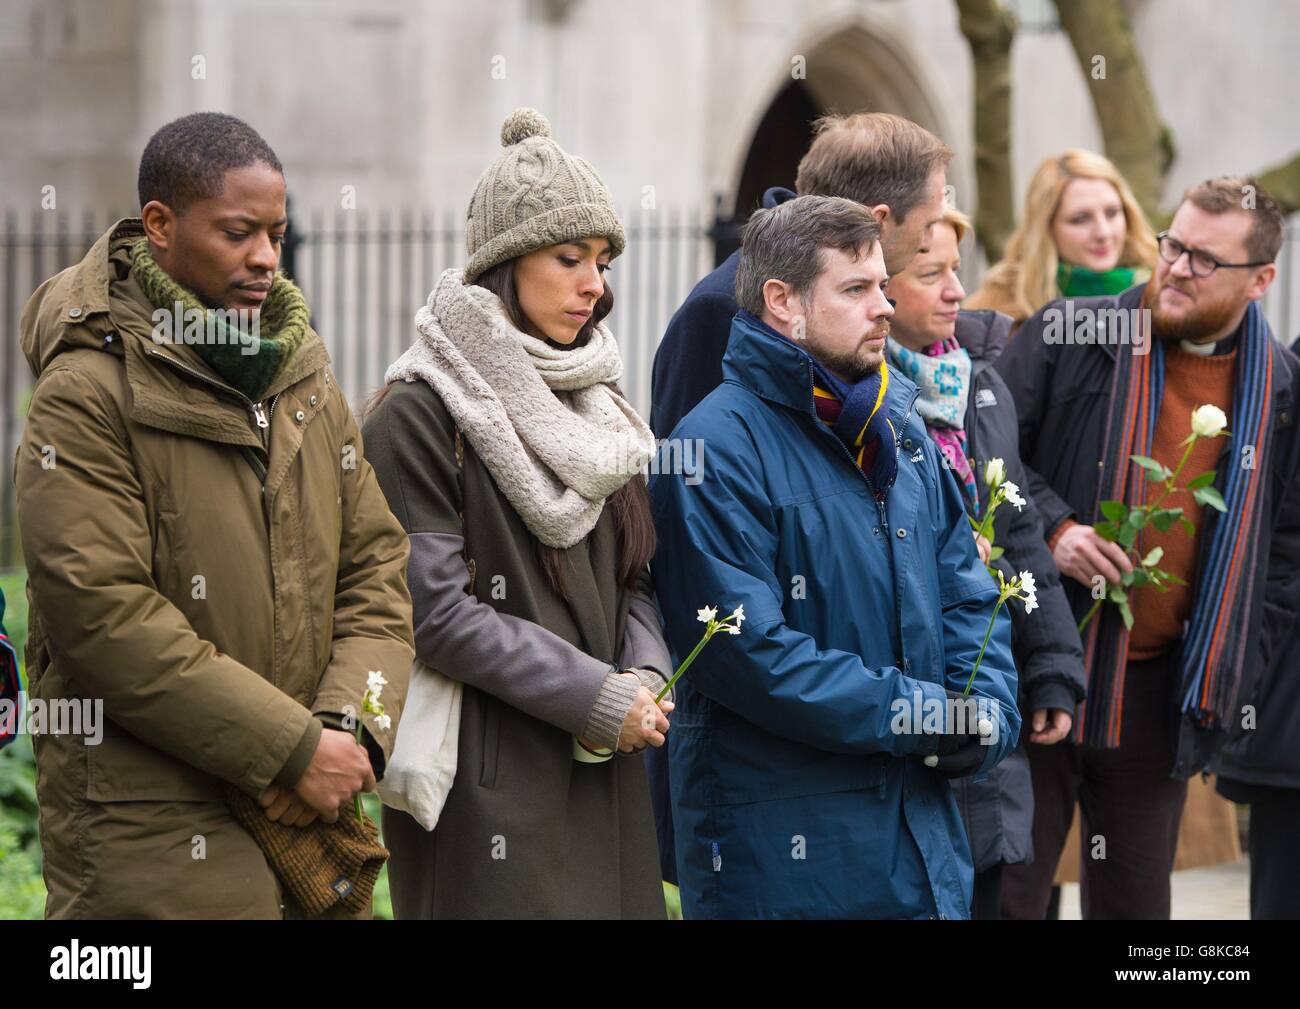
(1199, 349)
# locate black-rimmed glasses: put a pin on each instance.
(1202, 263)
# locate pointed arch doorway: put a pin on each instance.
(853, 68)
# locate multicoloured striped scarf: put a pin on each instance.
(1214, 648)
(856, 414)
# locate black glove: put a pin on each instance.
(963, 763)
(950, 742)
(960, 753)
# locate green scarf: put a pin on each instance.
(1080, 282)
(249, 362)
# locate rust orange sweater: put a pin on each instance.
(1190, 381)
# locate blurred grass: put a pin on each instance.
(22, 890)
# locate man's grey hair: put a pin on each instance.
(786, 243)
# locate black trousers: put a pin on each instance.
(1130, 810)
(986, 905)
(1274, 862)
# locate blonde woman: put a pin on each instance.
(1082, 234)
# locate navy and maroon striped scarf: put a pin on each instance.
(857, 414)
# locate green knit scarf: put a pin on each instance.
(250, 363)
(1080, 282)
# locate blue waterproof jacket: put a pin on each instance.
(798, 787)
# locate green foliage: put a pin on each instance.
(14, 586)
(1116, 511)
(1164, 518)
(381, 903)
(1211, 498)
(22, 891)
(1155, 470)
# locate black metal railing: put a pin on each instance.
(364, 275)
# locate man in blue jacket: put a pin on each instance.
(887, 163)
(800, 783)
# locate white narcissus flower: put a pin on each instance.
(994, 472)
(1029, 590)
(1012, 494)
(732, 630)
(1208, 421)
(383, 723)
(375, 681)
(739, 615)
(707, 614)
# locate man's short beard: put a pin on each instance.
(848, 366)
(1202, 321)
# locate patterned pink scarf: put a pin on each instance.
(952, 440)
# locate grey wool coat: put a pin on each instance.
(526, 832)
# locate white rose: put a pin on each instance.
(1208, 421)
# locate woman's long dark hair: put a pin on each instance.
(631, 502)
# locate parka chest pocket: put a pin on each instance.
(121, 768)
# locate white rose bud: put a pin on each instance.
(995, 472)
(1208, 421)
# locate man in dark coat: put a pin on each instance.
(888, 163)
(1096, 381)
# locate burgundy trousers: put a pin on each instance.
(1129, 811)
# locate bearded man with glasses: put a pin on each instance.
(1201, 671)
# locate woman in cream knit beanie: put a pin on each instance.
(535, 195)
(510, 455)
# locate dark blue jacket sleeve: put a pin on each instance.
(688, 363)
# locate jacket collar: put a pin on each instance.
(776, 195)
(778, 370)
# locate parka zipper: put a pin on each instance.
(263, 420)
(256, 464)
(259, 416)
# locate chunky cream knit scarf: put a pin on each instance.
(550, 424)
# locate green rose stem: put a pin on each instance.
(1092, 612)
(1168, 488)
(1169, 484)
